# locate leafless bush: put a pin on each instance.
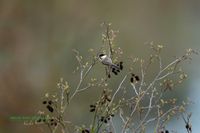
(144, 105)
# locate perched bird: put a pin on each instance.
(104, 59)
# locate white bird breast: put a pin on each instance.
(103, 57)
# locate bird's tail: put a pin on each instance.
(115, 67)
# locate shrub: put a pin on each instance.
(138, 102)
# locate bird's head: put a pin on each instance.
(102, 56)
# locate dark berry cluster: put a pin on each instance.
(85, 131)
(165, 131)
(49, 105)
(105, 98)
(120, 67)
(45, 119)
(107, 118)
(53, 122)
(42, 118)
(116, 70)
(188, 127)
(134, 78)
(92, 108)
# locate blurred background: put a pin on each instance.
(37, 38)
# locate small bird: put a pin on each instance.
(108, 61)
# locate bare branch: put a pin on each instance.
(133, 86)
(120, 85)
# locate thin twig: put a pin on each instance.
(149, 109)
(109, 42)
(120, 115)
(133, 86)
(112, 124)
(120, 85)
(147, 89)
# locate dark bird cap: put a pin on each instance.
(101, 55)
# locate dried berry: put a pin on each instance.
(187, 126)
(50, 102)
(44, 102)
(132, 79)
(109, 76)
(50, 108)
(92, 106)
(121, 66)
(166, 131)
(137, 78)
(102, 118)
(85, 131)
(108, 99)
(92, 110)
(44, 120)
(190, 129)
(39, 120)
(115, 72)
